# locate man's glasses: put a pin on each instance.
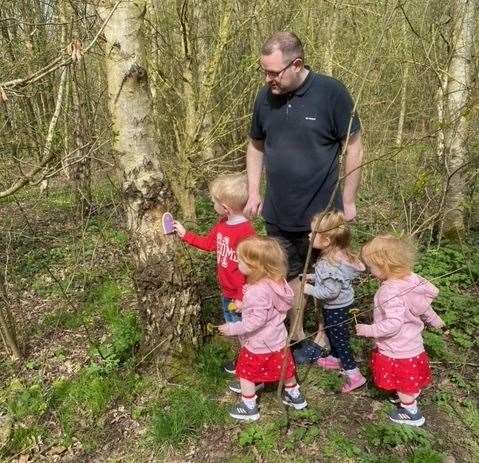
(276, 74)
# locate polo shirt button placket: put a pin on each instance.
(288, 103)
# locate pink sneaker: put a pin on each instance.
(329, 363)
(353, 382)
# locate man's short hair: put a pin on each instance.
(231, 190)
(286, 42)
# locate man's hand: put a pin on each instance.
(349, 210)
(253, 206)
(179, 229)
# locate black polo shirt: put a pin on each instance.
(302, 133)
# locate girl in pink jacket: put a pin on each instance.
(264, 355)
(402, 306)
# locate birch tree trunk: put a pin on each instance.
(458, 97)
(402, 111)
(441, 104)
(166, 299)
(331, 44)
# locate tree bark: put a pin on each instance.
(402, 111)
(166, 299)
(458, 97)
(441, 104)
(331, 44)
(7, 325)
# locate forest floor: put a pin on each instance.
(83, 393)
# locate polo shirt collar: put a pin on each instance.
(304, 87)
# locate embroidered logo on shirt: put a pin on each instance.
(310, 118)
(224, 254)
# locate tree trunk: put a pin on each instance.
(7, 325)
(458, 97)
(402, 111)
(331, 44)
(80, 167)
(166, 299)
(441, 103)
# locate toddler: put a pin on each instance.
(334, 273)
(229, 194)
(402, 305)
(264, 355)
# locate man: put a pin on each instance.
(301, 121)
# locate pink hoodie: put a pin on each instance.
(401, 308)
(265, 304)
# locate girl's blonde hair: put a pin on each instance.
(264, 257)
(394, 257)
(332, 225)
(231, 190)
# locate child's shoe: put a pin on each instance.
(329, 363)
(298, 402)
(235, 386)
(394, 399)
(242, 412)
(230, 367)
(353, 381)
(402, 415)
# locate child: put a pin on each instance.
(402, 305)
(264, 356)
(229, 194)
(334, 273)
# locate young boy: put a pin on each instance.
(229, 194)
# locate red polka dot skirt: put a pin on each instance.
(408, 376)
(264, 368)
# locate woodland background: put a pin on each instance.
(114, 112)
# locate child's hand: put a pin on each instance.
(223, 329)
(239, 305)
(179, 229)
(308, 277)
(361, 329)
(308, 289)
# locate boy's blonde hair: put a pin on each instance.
(394, 257)
(264, 257)
(231, 190)
(333, 226)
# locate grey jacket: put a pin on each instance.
(333, 283)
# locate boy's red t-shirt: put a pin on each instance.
(224, 239)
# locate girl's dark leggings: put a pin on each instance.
(338, 335)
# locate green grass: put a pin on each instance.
(80, 402)
(26, 406)
(183, 413)
(264, 436)
(390, 436)
(209, 366)
(340, 446)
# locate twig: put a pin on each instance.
(56, 63)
